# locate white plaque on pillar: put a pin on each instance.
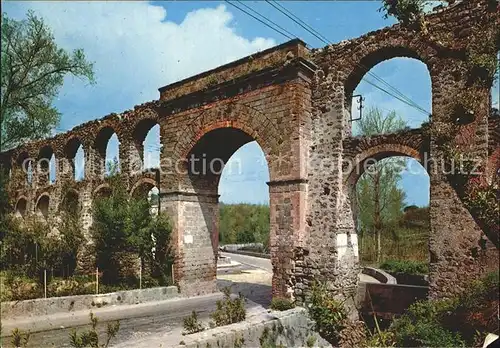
(341, 245)
(188, 239)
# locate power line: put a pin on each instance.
(403, 98)
(267, 25)
(267, 19)
(297, 20)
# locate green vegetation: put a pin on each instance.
(33, 70)
(405, 11)
(90, 338)
(386, 228)
(20, 338)
(328, 313)
(281, 304)
(192, 325)
(405, 266)
(123, 231)
(124, 227)
(244, 223)
(455, 322)
(229, 311)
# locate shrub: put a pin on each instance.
(405, 266)
(281, 304)
(70, 287)
(229, 311)
(406, 11)
(90, 338)
(476, 310)
(18, 288)
(423, 332)
(192, 325)
(328, 313)
(20, 338)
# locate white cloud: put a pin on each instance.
(136, 50)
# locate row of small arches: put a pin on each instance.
(107, 144)
(71, 201)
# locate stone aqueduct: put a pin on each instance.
(295, 103)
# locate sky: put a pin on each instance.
(138, 47)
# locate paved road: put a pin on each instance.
(251, 261)
(265, 264)
(142, 321)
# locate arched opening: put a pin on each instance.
(71, 203)
(383, 84)
(25, 164)
(46, 166)
(148, 145)
(76, 158)
(21, 206)
(147, 190)
(230, 163)
(392, 211)
(390, 205)
(108, 151)
(42, 206)
(102, 191)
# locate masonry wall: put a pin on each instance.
(296, 105)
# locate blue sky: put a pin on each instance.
(140, 46)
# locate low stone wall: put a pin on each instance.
(380, 275)
(411, 279)
(388, 300)
(250, 253)
(52, 305)
(234, 247)
(290, 328)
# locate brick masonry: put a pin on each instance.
(295, 103)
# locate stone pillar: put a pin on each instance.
(459, 250)
(330, 253)
(131, 162)
(195, 219)
(287, 205)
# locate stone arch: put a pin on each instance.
(102, 139)
(44, 165)
(24, 166)
(232, 115)
(358, 164)
(103, 190)
(43, 205)
(70, 202)
(376, 53)
(70, 151)
(139, 134)
(21, 206)
(142, 185)
(101, 143)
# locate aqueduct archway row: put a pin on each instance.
(295, 104)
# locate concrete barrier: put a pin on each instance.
(53, 305)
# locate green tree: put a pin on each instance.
(244, 223)
(160, 229)
(111, 228)
(380, 200)
(33, 68)
(123, 225)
